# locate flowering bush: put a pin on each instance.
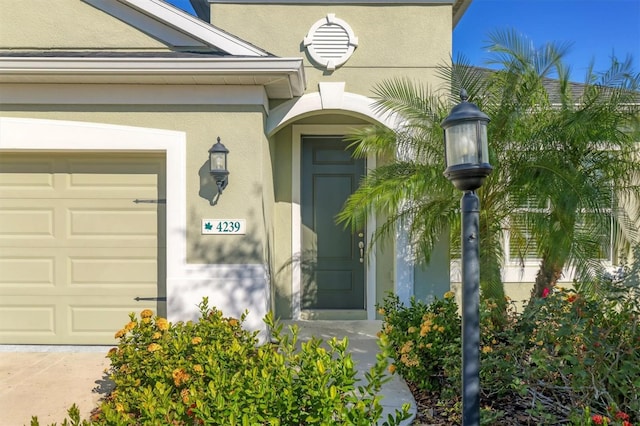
(585, 350)
(567, 358)
(213, 372)
(420, 334)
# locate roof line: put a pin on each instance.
(181, 21)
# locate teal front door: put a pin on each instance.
(333, 259)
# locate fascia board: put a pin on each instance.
(325, 2)
(183, 22)
(23, 69)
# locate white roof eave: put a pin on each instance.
(288, 71)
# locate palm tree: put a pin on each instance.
(409, 188)
(571, 159)
(574, 160)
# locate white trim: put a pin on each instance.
(177, 20)
(360, 2)
(404, 265)
(296, 221)
(296, 218)
(286, 75)
(343, 102)
(26, 134)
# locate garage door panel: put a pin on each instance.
(20, 176)
(26, 222)
(22, 271)
(81, 322)
(112, 224)
(106, 318)
(113, 271)
(72, 271)
(79, 244)
(20, 317)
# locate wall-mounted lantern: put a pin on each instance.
(218, 165)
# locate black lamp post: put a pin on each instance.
(218, 165)
(467, 158)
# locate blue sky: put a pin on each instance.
(596, 28)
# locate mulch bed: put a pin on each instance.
(433, 413)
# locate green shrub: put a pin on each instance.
(214, 372)
(568, 357)
(586, 350)
(420, 334)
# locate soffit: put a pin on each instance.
(282, 78)
(202, 7)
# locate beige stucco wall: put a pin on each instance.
(393, 40)
(241, 131)
(403, 41)
(85, 27)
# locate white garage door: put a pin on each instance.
(81, 244)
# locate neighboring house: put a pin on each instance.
(521, 261)
(108, 110)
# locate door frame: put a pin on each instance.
(296, 218)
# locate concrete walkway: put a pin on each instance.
(45, 381)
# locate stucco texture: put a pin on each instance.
(393, 40)
(85, 27)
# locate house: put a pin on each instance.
(108, 111)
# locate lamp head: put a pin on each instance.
(465, 145)
(218, 165)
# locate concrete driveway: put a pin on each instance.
(46, 381)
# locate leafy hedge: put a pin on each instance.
(213, 372)
(568, 359)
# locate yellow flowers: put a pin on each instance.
(162, 324)
(406, 348)
(381, 311)
(428, 325)
(486, 349)
(392, 368)
(180, 376)
(156, 335)
(233, 322)
(196, 340)
(154, 347)
(449, 295)
(198, 369)
(120, 333)
(130, 325)
(147, 313)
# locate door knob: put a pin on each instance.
(361, 246)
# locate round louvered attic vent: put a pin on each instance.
(330, 42)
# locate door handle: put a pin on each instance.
(361, 246)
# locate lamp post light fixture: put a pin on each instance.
(218, 165)
(467, 160)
